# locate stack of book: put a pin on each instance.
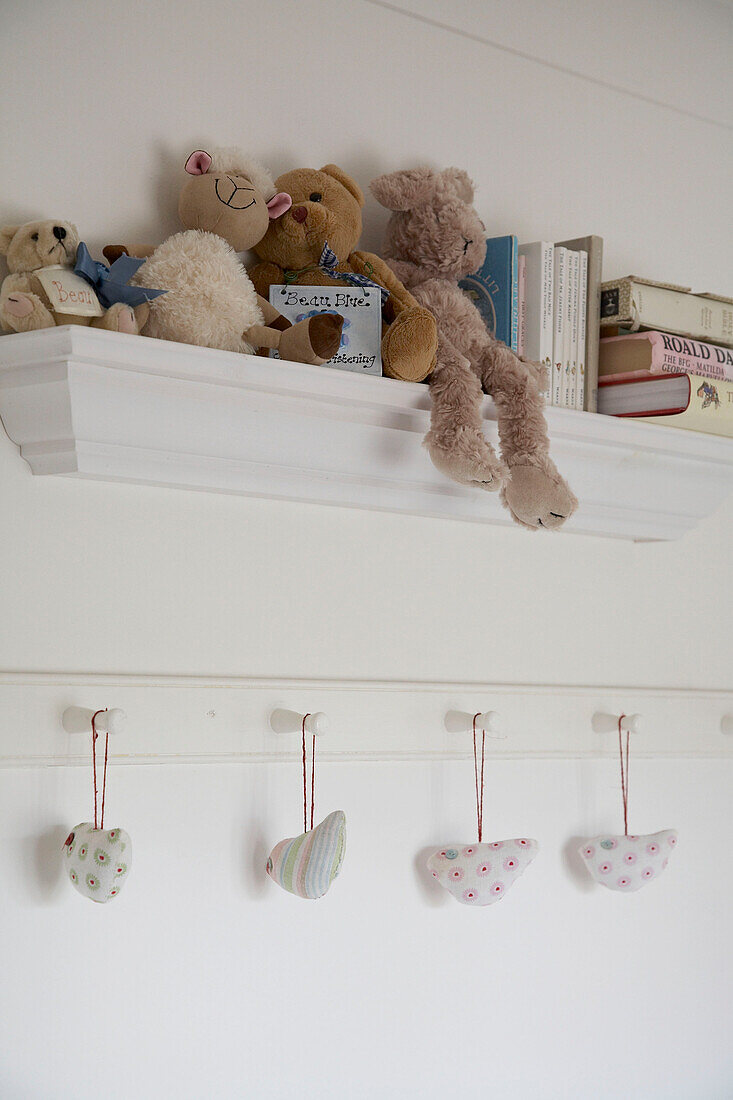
(666, 355)
(543, 301)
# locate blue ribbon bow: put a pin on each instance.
(328, 263)
(110, 283)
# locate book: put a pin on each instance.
(360, 349)
(636, 303)
(538, 296)
(521, 304)
(515, 295)
(593, 245)
(640, 353)
(493, 289)
(673, 400)
(582, 334)
(571, 354)
(560, 310)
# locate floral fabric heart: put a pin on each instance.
(97, 861)
(306, 865)
(480, 874)
(626, 863)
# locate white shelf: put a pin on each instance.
(88, 403)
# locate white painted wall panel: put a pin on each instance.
(214, 983)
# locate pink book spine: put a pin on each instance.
(681, 355)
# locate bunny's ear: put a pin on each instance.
(404, 190)
(460, 181)
(198, 163)
(6, 237)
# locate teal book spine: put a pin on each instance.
(515, 295)
(494, 289)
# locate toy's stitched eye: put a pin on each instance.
(315, 196)
(34, 237)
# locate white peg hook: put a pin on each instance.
(289, 721)
(79, 720)
(608, 723)
(461, 721)
(726, 724)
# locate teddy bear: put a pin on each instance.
(226, 205)
(434, 237)
(27, 304)
(313, 244)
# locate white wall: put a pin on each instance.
(202, 979)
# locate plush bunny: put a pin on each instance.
(434, 238)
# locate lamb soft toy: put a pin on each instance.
(226, 206)
(434, 238)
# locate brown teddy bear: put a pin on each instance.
(327, 210)
(434, 238)
(26, 304)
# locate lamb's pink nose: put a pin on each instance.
(299, 213)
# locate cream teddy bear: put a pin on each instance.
(30, 297)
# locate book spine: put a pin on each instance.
(593, 321)
(674, 354)
(538, 294)
(566, 395)
(639, 305)
(522, 305)
(571, 363)
(514, 276)
(546, 322)
(582, 319)
(710, 409)
(559, 323)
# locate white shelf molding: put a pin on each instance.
(87, 403)
(219, 720)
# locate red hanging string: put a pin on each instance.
(313, 777)
(94, 760)
(305, 778)
(624, 774)
(104, 779)
(305, 788)
(479, 781)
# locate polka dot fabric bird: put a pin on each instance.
(480, 874)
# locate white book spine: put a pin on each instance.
(559, 322)
(582, 328)
(571, 365)
(538, 298)
(522, 305)
(547, 319)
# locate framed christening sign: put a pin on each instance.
(361, 308)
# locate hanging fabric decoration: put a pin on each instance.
(306, 865)
(98, 859)
(480, 874)
(627, 862)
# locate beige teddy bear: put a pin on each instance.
(26, 304)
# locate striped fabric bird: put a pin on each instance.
(306, 865)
